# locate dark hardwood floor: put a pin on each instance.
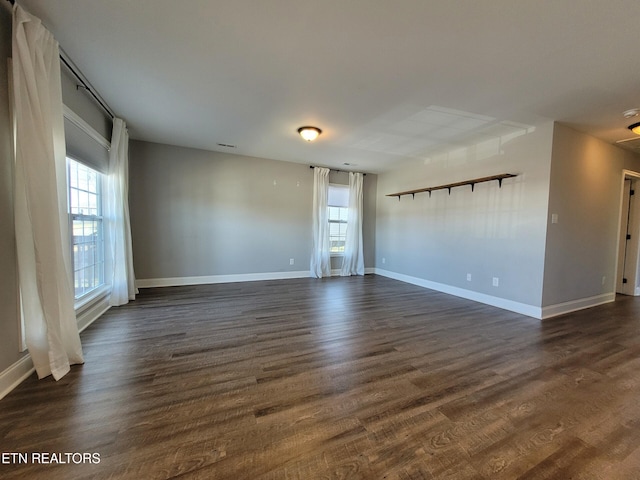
(363, 378)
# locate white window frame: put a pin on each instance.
(99, 289)
(338, 199)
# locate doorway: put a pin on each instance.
(629, 240)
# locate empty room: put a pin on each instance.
(319, 240)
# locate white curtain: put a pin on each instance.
(353, 260)
(42, 224)
(118, 227)
(320, 257)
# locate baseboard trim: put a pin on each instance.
(575, 305)
(336, 272)
(89, 315)
(17, 373)
(13, 376)
(517, 307)
(241, 277)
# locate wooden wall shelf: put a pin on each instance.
(449, 186)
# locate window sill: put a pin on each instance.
(90, 298)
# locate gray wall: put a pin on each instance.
(83, 104)
(492, 232)
(80, 145)
(585, 193)
(201, 213)
(9, 320)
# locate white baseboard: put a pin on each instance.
(335, 272)
(241, 277)
(202, 280)
(521, 308)
(23, 368)
(15, 375)
(575, 305)
(89, 315)
(540, 313)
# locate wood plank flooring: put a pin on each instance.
(340, 378)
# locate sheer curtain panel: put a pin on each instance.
(320, 256)
(353, 260)
(119, 251)
(42, 226)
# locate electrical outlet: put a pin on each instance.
(468, 277)
(496, 281)
(291, 261)
(604, 280)
(384, 260)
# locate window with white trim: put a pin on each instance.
(87, 242)
(338, 201)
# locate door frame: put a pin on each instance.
(633, 245)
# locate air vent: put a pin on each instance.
(227, 145)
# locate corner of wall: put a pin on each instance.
(13, 376)
(583, 217)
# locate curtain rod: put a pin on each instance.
(336, 170)
(83, 82)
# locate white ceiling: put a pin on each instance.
(386, 81)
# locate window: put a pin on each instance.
(85, 210)
(338, 202)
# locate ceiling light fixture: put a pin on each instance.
(309, 133)
(635, 128)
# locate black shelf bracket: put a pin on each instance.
(500, 177)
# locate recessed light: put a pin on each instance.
(633, 112)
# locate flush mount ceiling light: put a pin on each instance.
(635, 128)
(309, 133)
